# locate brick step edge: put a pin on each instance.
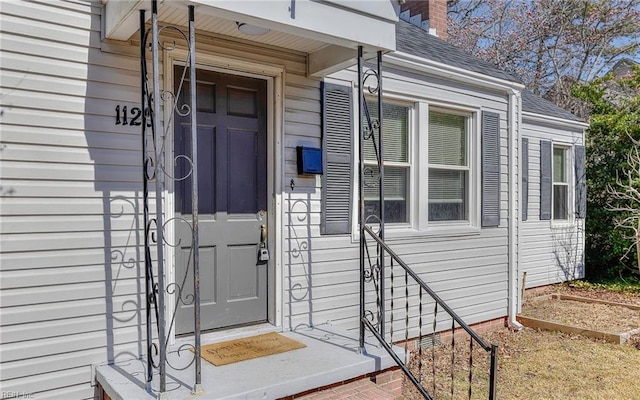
(384, 385)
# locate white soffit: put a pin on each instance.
(302, 25)
(224, 27)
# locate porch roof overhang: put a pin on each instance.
(328, 31)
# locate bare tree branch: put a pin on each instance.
(548, 42)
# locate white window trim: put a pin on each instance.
(473, 166)
(569, 170)
(418, 224)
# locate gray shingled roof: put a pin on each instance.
(533, 103)
(416, 41)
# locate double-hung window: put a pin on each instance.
(560, 183)
(449, 166)
(397, 166)
(433, 180)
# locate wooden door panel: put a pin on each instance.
(232, 191)
(244, 277)
(242, 185)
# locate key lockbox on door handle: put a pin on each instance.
(263, 250)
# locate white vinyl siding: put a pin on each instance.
(72, 291)
(552, 250)
(71, 288)
(468, 269)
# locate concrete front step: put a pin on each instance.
(331, 356)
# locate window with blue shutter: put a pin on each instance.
(490, 169)
(337, 144)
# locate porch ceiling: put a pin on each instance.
(175, 15)
(328, 31)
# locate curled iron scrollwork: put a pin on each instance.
(180, 351)
(170, 221)
(370, 74)
(157, 138)
(372, 272)
(299, 245)
(373, 173)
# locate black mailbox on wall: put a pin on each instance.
(309, 160)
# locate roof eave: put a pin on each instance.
(421, 64)
(554, 120)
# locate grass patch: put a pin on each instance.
(551, 365)
(545, 365)
(597, 317)
(537, 365)
(629, 285)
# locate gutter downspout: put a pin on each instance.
(515, 169)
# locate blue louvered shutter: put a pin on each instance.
(545, 180)
(581, 182)
(337, 144)
(490, 169)
(524, 159)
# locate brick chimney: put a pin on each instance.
(430, 15)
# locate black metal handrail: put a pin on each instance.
(439, 304)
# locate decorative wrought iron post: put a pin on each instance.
(361, 194)
(154, 170)
(381, 192)
(368, 129)
(194, 198)
(145, 198)
(159, 186)
(149, 287)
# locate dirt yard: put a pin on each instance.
(628, 297)
(603, 318)
(549, 365)
(598, 317)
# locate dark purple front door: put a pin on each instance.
(232, 201)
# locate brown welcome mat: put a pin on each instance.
(245, 349)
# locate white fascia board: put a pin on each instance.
(530, 117)
(382, 9)
(330, 59)
(370, 24)
(420, 64)
(316, 20)
(121, 18)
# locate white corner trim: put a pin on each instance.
(515, 103)
(406, 60)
